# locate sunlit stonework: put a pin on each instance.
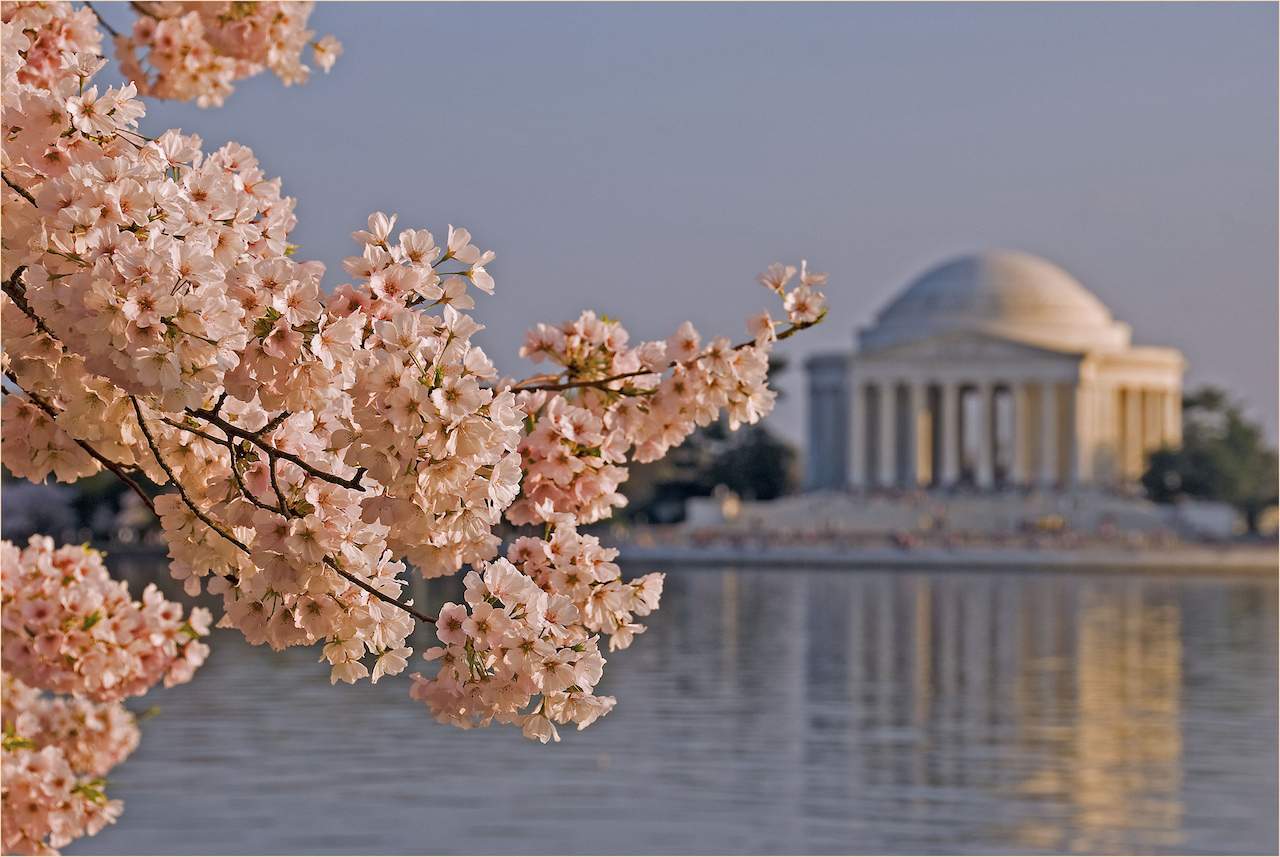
(995, 369)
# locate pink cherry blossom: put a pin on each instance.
(70, 628)
(314, 449)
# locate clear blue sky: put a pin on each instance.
(648, 160)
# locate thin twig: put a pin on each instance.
(114, 466)
(256, 440)
(231, 448)
(182, 492)
(220, 441)
(12, 288)
(275, 486)
(525, 385)
(22, 191)
(329, 561)
(103, 21)
(382, 596)
(17, 292)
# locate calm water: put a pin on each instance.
(768, 711)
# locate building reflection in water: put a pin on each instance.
(775, 711)
(1044, 712)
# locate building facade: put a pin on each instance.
(991, 370)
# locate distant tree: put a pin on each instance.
(753, 462)
(1223, 457)
(758, 466)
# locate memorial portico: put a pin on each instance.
(992, 370)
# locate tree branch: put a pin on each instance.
(381, 596)
(529, 384)
(182, 492)
(21, 191)
(114, 466)
(12, 288)
(329, 561)
(17, 292)
(103, 22)
(255, 438)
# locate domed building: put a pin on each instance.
(996, 369)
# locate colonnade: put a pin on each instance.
(1052, 433)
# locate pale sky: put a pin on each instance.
(648, 160)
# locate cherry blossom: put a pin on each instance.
(314, 447)
(70, 628)
(197, 51)
(56, 754)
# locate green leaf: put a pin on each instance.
(17, 742)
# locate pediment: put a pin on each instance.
(967, 347)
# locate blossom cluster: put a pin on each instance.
(197, 51)
(576, 566)
(513, 654)
(154, 315)
(615, 402)
(93, 736)
(47, 30)
(56, 752)
(314, 445)
(69, 627)
(524, 649)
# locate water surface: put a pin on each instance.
(767, 711)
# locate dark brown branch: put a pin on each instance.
(256, 439)
(141, 9)
(21, 191)
(114, 466)
(275, 486)
(17, 292)
(600, 383)
(275, 422)
(103, 22)
(182, 492)
(12, 288)
(284, 510)
(381, 596)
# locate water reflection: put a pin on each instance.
(783, 711)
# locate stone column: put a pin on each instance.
(1172, 422)
(1049, 435)
(828, 458)
(888, 446)
(1020, 470)
(949, 404)
(918, 428)
(1082, 440)
(858, 412)
(817, 460)
(985, 477)
(1152, 419)
(1105, 438)
(1132, 433)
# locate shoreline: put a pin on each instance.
(1199, 559)
(1242, 560)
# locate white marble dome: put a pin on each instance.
(1002, 293)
